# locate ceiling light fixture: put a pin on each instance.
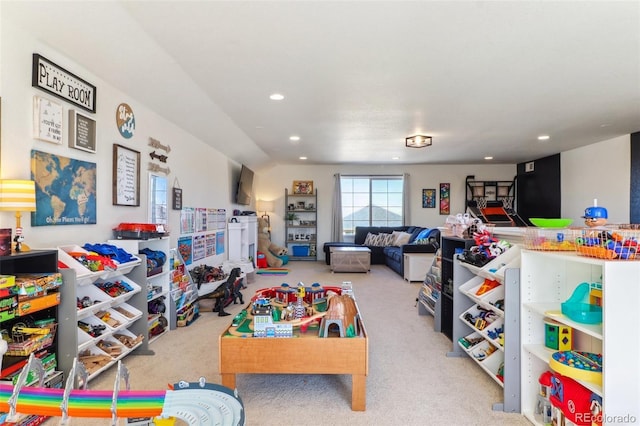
(488, 158)
(276, 97)
(418, 141)
(303, 158)
(294, 138)
(543, 137)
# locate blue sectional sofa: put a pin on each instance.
(421, 240)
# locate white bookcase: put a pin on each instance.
(547, 280)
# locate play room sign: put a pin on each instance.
(51, 78)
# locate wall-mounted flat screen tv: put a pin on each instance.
(245, 186)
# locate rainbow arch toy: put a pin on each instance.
(197, 403)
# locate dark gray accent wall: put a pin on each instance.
(634, 196)
(538, 188)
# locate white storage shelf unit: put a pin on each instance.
(497, 356)
(547, 280)
(80, 282)
(156, 285)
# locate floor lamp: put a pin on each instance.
(265, 206)
(18, 196)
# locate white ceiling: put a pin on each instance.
(482, 78)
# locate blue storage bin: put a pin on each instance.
(301, 250)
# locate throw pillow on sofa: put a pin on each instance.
(378, 240)
(400, 238)
(371, 239)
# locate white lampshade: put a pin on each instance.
(264, 206)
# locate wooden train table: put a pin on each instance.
(307, 353)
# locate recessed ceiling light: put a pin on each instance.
(303, 158)
(488, 158)
(294, 138)
(276, 97)
(395, 158)
(543, 137)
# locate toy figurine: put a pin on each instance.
(595, 216)
(18, 239)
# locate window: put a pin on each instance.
(158, 211)
(370, 201)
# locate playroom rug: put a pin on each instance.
(272, 271)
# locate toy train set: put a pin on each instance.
(277, 311)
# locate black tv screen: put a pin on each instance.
(245, 186)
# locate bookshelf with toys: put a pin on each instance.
(486, 320)
(155, 283)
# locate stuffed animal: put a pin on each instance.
(270, 250)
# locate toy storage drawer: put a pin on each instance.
(301, 250)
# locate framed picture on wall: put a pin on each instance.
(445, 194)
(302, 187)
(47, 120)
(126, 176)
(82, 132)
(428, 198)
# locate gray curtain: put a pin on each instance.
(336, 214)
(406, 211)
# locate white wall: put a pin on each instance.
(270, 185)
(204, 174)
(599, 171)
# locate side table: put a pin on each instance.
(416, 265)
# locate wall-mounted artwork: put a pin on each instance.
(210, 243)
(125, 120)
(187, 220)
(126, 176)
(47, 120)
(52, 78)
(82, 132)
(185, 248)
(199, 247)
(428, 198)
(220, 242)
(65, 190)
(445, 194)
(302, 187)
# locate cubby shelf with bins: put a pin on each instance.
(118, 315)
(547, 280)
(429, 296)
(34, 262)
(301, 234)
(156, 284)
(495, 343)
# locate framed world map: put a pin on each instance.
(65, 190)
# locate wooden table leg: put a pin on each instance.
(229, 380)
(358, 392)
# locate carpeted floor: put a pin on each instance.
(410, 381)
